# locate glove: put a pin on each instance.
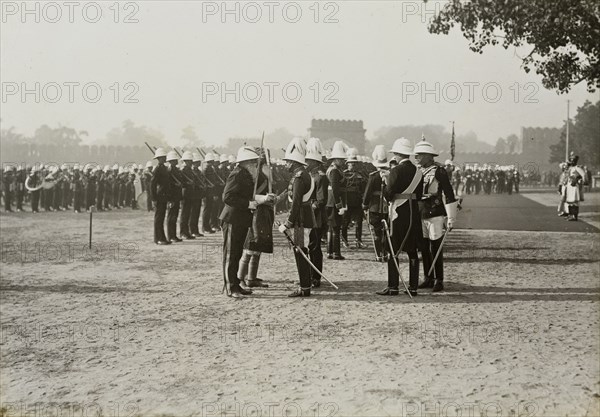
(450, 224)
(264, 199)
(252, 205)
(282, 228)
(169, 205)
(342, 211)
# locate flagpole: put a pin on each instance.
(568, 119)
(452, 144)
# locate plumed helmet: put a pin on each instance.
(338, 151)
(352, 155)
(380, 157)
(296, 151)
(314, 149)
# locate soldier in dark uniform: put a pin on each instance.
(115, 187)
(100, 181)
(314, 160)
(236, 217)
(335, 202)
(354, 190)
(177, 183)
(374, 202)
(161, 193)
(20, 178)
(90, 187)
(301, 218)
(188, 195)
(77, 187)
(147, 179)
(108, 186)
(200, 189)
(67, 195)
(404, 188)
(211, 196)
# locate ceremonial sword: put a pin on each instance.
(301, 252)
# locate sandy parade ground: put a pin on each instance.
(130, 328)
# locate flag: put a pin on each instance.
(452, 145)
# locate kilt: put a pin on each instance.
(334, 219)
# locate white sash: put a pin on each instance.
(397, 202)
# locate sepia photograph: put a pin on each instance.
(311, 208)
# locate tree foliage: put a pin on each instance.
(584, 136)
(564, 35)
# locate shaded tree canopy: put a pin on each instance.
(564, 35)
(584, 137)
(436, 134)
(131, 135)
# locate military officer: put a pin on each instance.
(200, 191)
(403, 189)
(212, 196)
(435, 212)
(353, 190)
(161, 193)
(374, 202)
(236, 216)
(314, 161)
(335, 203)
(177, 183)
(301, 218)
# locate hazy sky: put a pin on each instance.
(377, 51)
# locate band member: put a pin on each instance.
(374, 202)
(353, 190)
(161, 193)
(301, 218)
(177, 184)
(33, 183)
(335, 203)
(403, 189)
(435, 214)
(20, 178)
(314, 161)
(8, 186)
(236, 216)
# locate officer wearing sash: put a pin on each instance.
(336, 206)
(301, 218)
(314, 161)
(434, 212)
(374, 202)
(403, 189)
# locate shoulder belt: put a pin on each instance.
(404, 196)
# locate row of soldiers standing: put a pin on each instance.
(54, 188)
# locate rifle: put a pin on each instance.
(214, 170)
(262, 142)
